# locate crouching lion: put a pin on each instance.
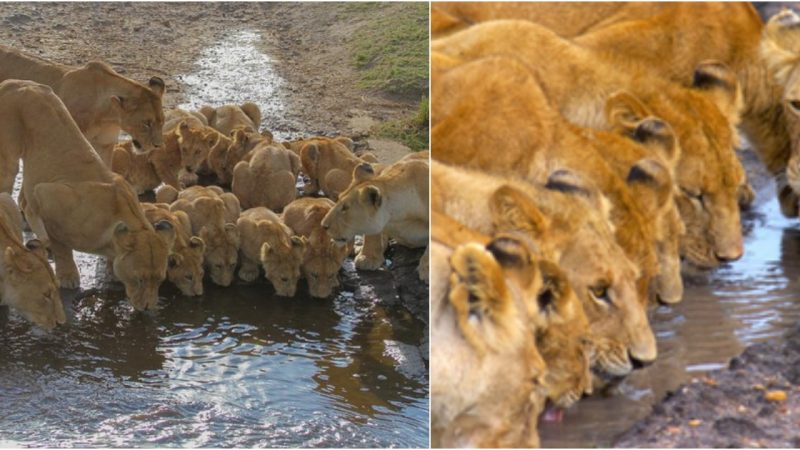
(266, 178)
(394, 202)
(323, 256)
(74, 201)
(268, 242)
(486, 372)
(213, 216)
(185, 267)
(27, 282)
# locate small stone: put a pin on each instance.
(775, 396)
(759, 387)
(695, 423)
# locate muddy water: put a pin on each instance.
(751, 300)
(236, 367)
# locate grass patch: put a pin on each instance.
(391, 48)
(412, 130)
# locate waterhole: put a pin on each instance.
(237, 366)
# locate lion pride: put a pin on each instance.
(100, 101)
(702, 118)
(569, 218)
(74, 202)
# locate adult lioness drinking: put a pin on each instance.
(73, 200)
(101, 101)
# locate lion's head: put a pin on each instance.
(222, 252)
(360, 208)
(29, 285)
(140, 260)
(282, 260)
(321, 263)
(185, 267)
(194, 144)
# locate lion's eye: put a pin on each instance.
(795, 104)
(697, 195)
(600, 292)
(345, 208)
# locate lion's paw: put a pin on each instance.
(364, 262)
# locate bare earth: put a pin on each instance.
(308, 42)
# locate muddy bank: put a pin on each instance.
(754, 402)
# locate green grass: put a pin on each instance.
(412, 130)
(391, 48)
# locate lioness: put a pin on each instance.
(702, 117)
(27, 282)
(213, 216)
(394, 202)
(573, 227)
(267, 165)
(76, 202)
(185, 266)
(543, 142)
(486, 373)
(268, 242)
(323, 256)
(100, 101)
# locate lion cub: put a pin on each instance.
(268, 242)
(185, 266)
(328, 163)
(27, 282)
(394, 202)
(486, 371)
(213, 215)
(267, 177)
(186, 147)
(323, 256)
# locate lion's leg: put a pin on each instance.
(371, 255)
(424, 265)
(248, 271)
(66, 270)
(8, 173)
(31, 211)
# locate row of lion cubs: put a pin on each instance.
(73, 201)
(567, 185)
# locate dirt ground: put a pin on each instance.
(309, 44)
(755, 402)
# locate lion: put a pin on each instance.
(703, 117)
(559, 322)
(486, 372)
(185, 266)
(267, 165)
(27, 282)
(174, 116)
(268, 242)
(323, 256)
(671, 39)
(394, 202)
(174, 164)
(328, 163)
(543, 142)
(227, 118)
(100, 101)
(213, 215)
(74, 202)
(570, 219)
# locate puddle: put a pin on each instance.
(236, 367)
(235, 71)
(723, 311)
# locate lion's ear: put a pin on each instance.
(346, 141)
(568, 182)
(165, 229)
(623, 111)
(370, 196)
(513, 210)
(658, 136)
(299, 244)
(512, 254)
(197, 244)
(122, 239)
(718, 80)
(157, 86)
(780, 44)
(363, 172)
(310, 152)
(15, 261)
(652, 183)
(174, 260)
